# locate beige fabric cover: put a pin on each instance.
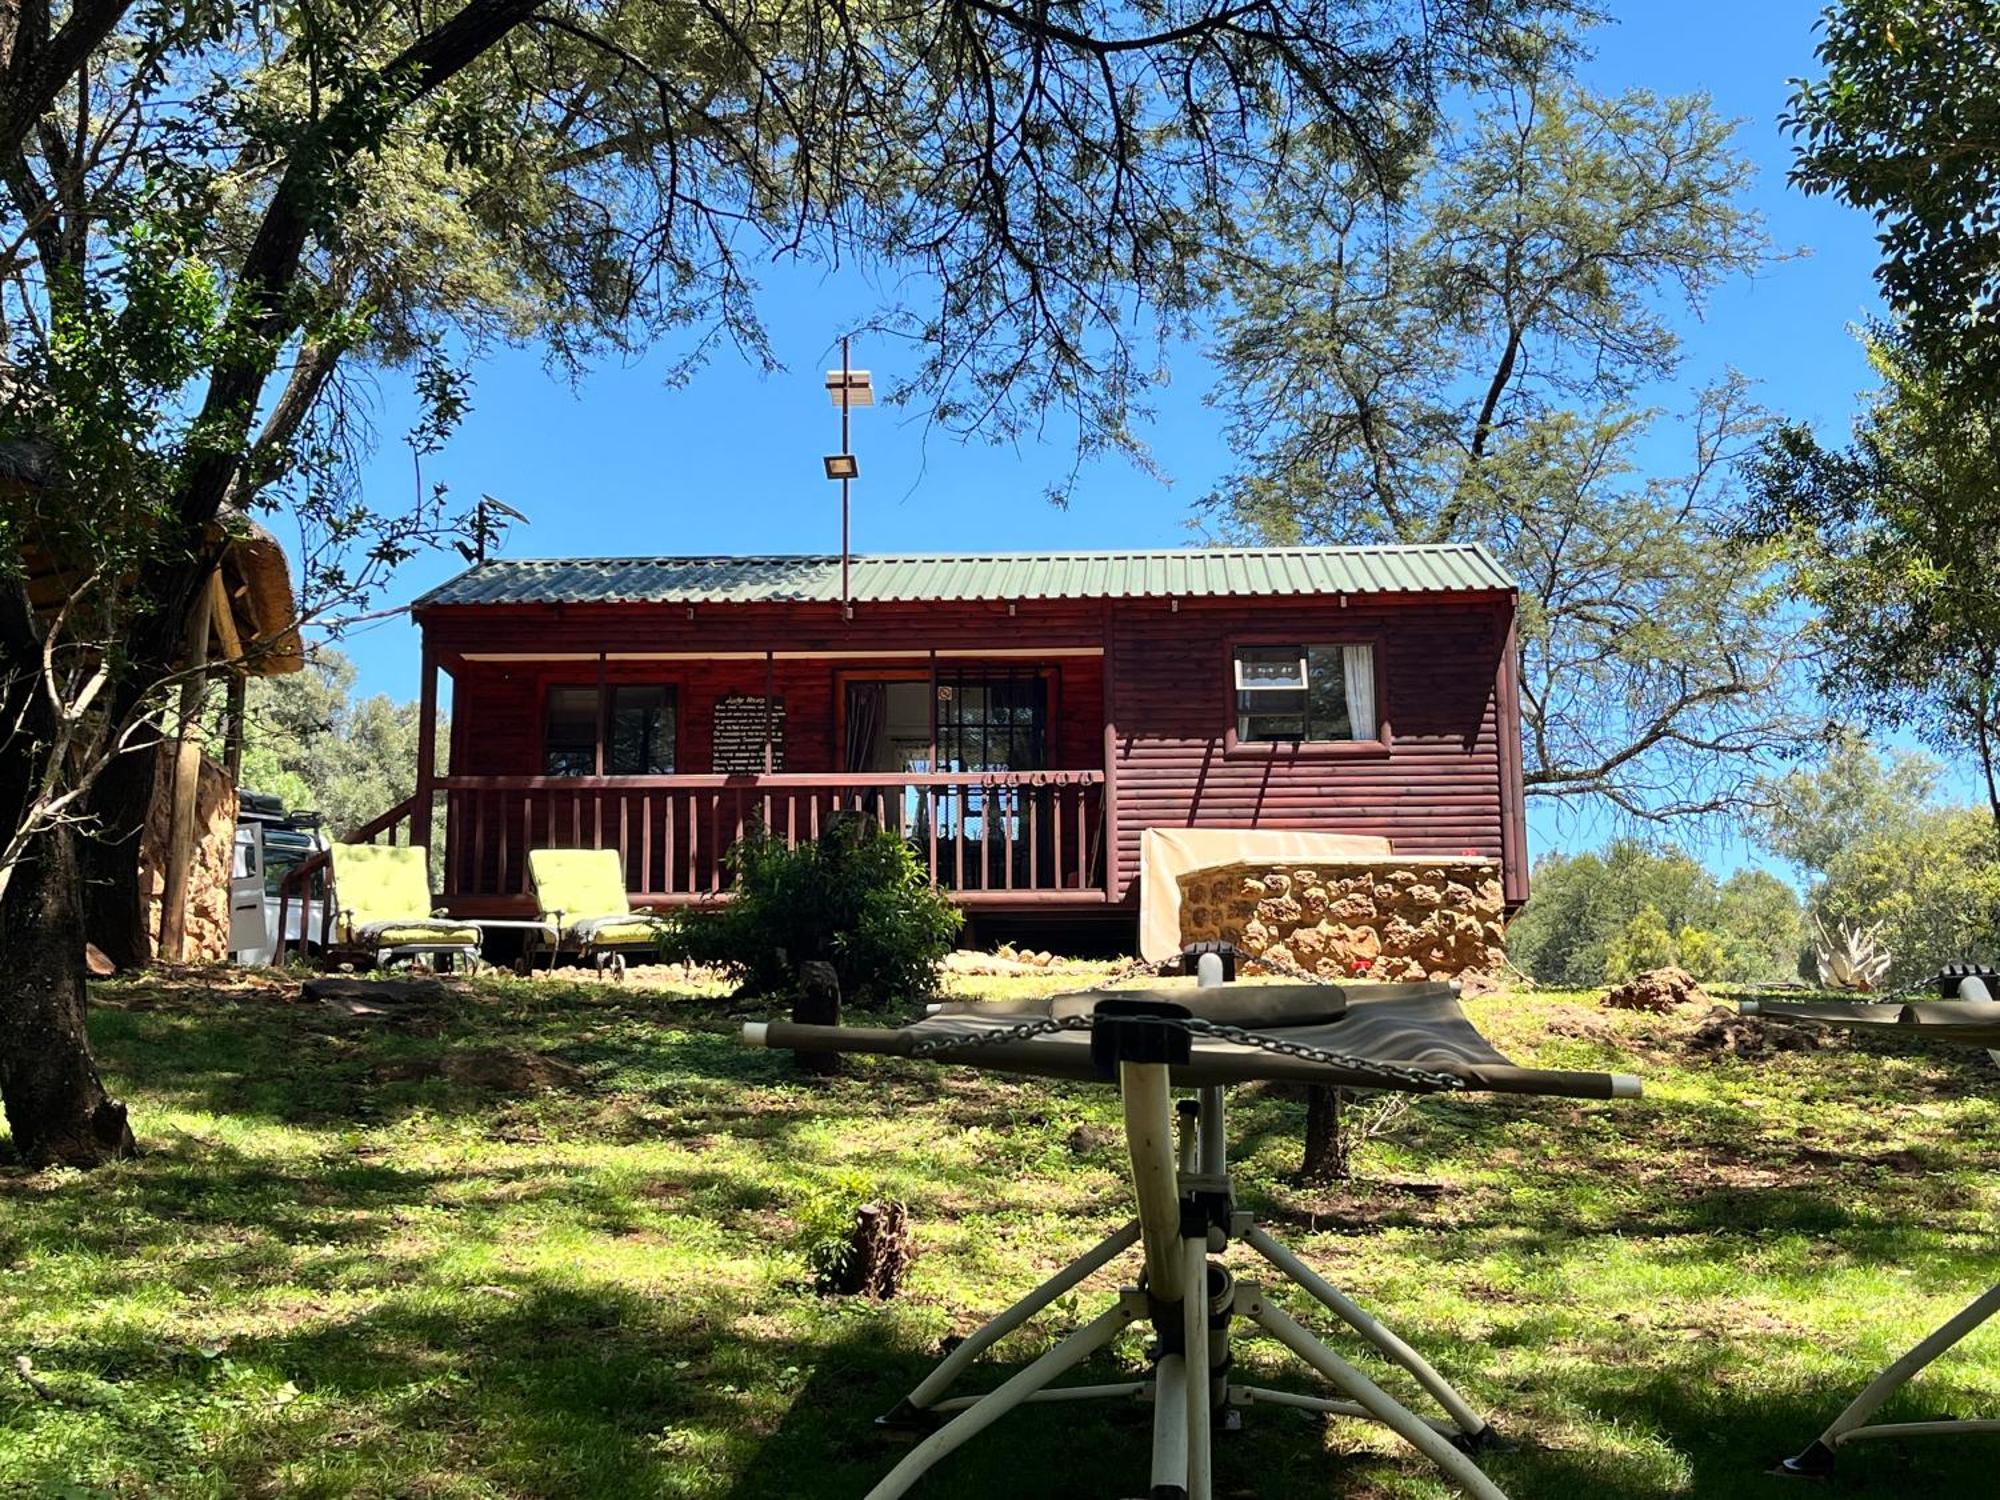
(1166, 854)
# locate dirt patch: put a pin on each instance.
(1724, 1033)
(1088, 1140)
(1659, 992)
(508, 1070)
(1581, 1025)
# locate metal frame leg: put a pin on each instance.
(1170, 1428)
(1200, 1378)
(999, 1326)
(1392, 1347)
(1849, 1426)
(983, 1413)
(1378, 1404)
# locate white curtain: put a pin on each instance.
(1358, 663)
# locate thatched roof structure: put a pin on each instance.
(256, 617)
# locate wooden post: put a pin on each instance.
(1111, 870)
(420, 815)
(185, 782)
(603, 715)
(770, 687)
(238, 687)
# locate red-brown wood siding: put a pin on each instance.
(1439, 788)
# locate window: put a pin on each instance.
(569, 734)
(992, 721)
(636, 721)
(1304, 694)
(641, 737)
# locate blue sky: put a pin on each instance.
(729, 462)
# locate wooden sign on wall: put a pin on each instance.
(739, 735)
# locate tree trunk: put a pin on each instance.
(818, 1004)
(114, 913)
(56, 1105)
(1325, 1154)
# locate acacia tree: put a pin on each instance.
(1466, 365)
(215, 210)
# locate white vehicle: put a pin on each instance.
(270, 844)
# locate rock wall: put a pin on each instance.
(1389, 919)
(214, 850)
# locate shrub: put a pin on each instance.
(856, 898)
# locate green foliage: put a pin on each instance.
(1897, 540)
(857, 898)
(1598, 918)
(1899, 127)
(1645, 944)
(824, 1213)
(1466, 368)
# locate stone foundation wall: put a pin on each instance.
(1390, 919)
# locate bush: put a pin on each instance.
(856, 899)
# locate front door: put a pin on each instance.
(982, 723)
(985, 720)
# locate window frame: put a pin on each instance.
(1375, 748)
(605, 690)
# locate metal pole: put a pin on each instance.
(1354, 1316)
(1383, 1407)
(1200, 1377)
(1149, 1136)
(1170, 1430)
(846, 405)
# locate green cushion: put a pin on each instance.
(612, 932)
(578, 882)
(381, 883)
(392, 935)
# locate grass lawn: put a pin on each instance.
(355, 1261)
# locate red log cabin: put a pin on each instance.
(1021, 718)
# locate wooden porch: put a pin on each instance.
(999, 838)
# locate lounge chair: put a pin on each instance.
(580, 894)
(383, 896)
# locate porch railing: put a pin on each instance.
(1002, 835)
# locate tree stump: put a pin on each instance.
(818, 1004)
(877, 1253)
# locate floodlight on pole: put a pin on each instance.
(848, 388)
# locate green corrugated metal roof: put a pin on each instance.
(921, 578)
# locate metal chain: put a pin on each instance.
(1025, 1031)
(1264, 1042)
(1422, 1078)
